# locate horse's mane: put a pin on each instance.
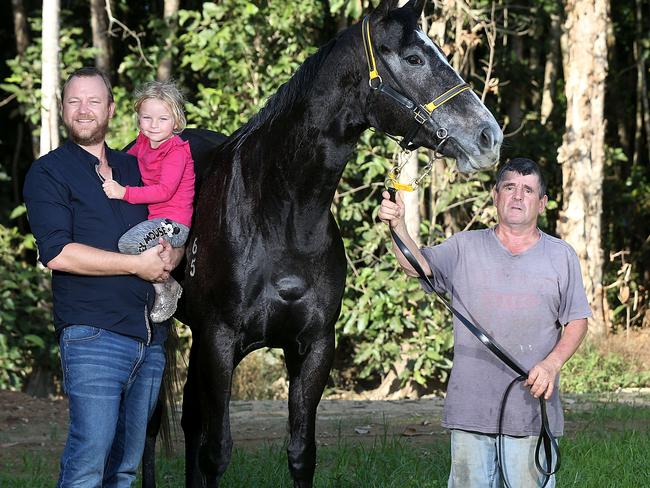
(289, 93)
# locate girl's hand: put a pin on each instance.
(113, 189)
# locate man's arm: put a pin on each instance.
(541, 377)
(86, 260)
(392, 213)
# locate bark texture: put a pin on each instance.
(582, 154)
(165, 67)
(101, 39)
(20, 26)
(50, 77)
(411, 201)
(551, 69)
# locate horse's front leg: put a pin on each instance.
(308, 374)
(217, 362)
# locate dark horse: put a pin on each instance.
(266, 265)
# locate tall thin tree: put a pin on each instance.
(165, 65)
(551, 68)
(101, 38)
(20, 26)
(21, 33)
(582, 154)
(50, 77)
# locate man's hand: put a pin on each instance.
(151, 266)
(113, 189)
(171, 256)
(541, 378)
(391, 213)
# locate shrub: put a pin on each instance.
(593, 371)
(26, 332)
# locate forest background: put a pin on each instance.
(567, 79)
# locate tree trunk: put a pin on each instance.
(411, 200)
(514, 110)
(21, 31)
(642, 108)
(165, 65)
(582, 154)
(50, 77)
(551, 69)
(456, 60)
(101, 39)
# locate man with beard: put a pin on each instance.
(111, 355)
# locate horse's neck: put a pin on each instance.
(300, 154)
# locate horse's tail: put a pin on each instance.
(171, 383)
(163, 419)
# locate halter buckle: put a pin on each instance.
(421, 115)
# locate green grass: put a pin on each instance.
(605, 447)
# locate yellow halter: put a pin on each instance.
(421, 113)
(374, 74)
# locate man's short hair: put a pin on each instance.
(523, 166)
(88, 72)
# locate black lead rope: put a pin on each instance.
(545, 438)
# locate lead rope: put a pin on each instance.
(545, 438)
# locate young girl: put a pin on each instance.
(167, 171)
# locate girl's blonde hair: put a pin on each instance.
(168, 92)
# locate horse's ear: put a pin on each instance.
(384, 7)
(417, 6)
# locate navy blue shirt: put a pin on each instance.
(66, 203)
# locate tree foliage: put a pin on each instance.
(230, 56)
(26, 331)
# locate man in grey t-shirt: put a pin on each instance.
(523, 287)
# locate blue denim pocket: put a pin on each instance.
(75, 333)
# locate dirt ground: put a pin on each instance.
(38, 426)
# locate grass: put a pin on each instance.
(605, 447)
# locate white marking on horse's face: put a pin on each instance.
(430, 43)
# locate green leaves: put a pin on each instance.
(386, 317)
(230, 56)
(234, 55)
(591, 370)
(26, 332)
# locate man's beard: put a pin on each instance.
(86, 138)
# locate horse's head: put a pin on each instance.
(415, 93)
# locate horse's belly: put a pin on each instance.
(276, 319)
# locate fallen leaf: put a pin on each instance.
(362, 430)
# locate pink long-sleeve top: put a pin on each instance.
(168, 176)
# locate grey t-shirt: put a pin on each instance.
(519, 299)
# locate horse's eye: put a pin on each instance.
(414, 60)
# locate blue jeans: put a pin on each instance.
(112, 383)
(474, 461)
